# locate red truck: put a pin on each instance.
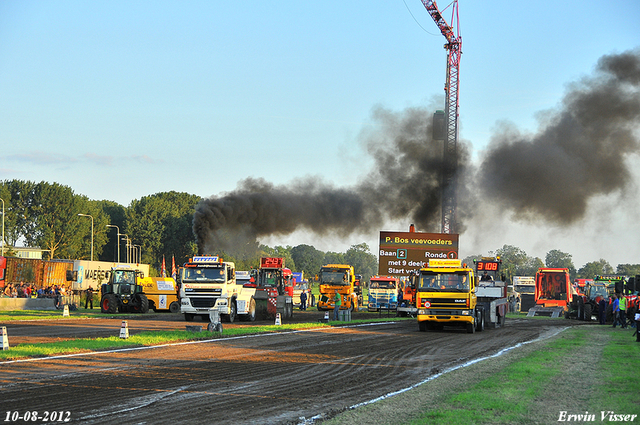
(554, 293)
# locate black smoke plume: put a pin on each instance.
(404, 183)
(579, 151)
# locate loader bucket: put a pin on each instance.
(553, 312)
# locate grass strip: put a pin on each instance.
(583, 369)
(506, 397)
(617, 377)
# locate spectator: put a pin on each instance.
(602, 308)
(89, 299)
(336, 308)
(303, 300)
(616, 310)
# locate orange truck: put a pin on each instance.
(338, 277)
(554, 293)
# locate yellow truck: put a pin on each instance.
(342, 278)
(161, 293)
(450, 293)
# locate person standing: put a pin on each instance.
(602, 311)
(337, 303)
(615, 310)
(623, 311)
(303, 300)
(89, 299)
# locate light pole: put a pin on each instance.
(128, 249)
(90, 216)
(139, 253)
(2, 226)
(118, 239)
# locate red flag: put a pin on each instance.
(164, 269)
(173, 267)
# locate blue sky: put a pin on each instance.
(121, 99)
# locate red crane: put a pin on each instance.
(450, 160)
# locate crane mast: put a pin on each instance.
(450, 159)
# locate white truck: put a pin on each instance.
(208, 283)
(525, 286)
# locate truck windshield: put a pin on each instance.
(335, 278)
(525, 289)
(382, 285)
(125, 276)
(269, 278)
(203, 275)
(450, 282)
(596, 291)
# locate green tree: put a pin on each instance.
(333, 258)
(362, 260)
(56, 226)
(307, 259)
(116, 216)
(18, 199)
(530, 267)
(513, 259)
(628, 269)
(558, 259)
(161, 224)
(594, 268)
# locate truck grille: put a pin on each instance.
(203, 302)
(447, 302)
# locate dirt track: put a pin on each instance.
(275, 378)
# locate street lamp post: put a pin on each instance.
(90, 216)
(128, 248)
(2, 226)
(139, 253)
(118, 239)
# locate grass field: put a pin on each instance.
(586, 370)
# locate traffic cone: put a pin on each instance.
(124, 331)
(278, 322)
(65, 311)
(5, 338)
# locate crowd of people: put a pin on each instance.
(29, 290)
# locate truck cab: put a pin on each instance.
(446, 295)
(207, 282)
(450, 293)
(383, 293)
(338, 277)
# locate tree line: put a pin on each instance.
(45, 215)
(516, 262)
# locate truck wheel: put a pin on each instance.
(481, 323)
(587, 312)
(109, 304)
(188, 317)
(581, 315)
(251, 317)
(471, 328)
(422, 326)
(231, 317)
(174, 307)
